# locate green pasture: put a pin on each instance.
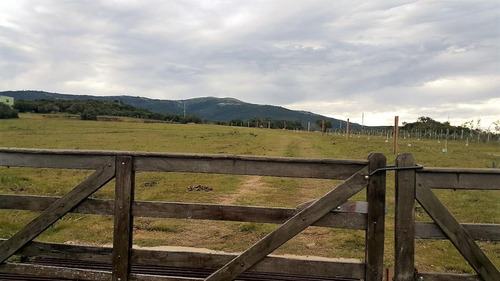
(67, 132)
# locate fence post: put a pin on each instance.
(375, 194)
(404, 251)
(122, 236)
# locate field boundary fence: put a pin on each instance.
(415, 185)
(119, 262)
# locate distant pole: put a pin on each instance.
(256, 123)
(362, 122)
(322, 127)
(184, 109)
(284, 125)
(269, 124)
(396, 133)
(309, 126)
(446, 141)
(347, 130)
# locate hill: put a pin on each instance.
(208, 108)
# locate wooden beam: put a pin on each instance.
(292, 227)
(53, 213)
(66, 251)
(460, 179)
(457, 234)
(123, 228)
(57, 161)
(449, 277)
(40, 203)
(481, 232)
(375, 194)
(57, 272)
(347, 131)
(178, 162)
(275, 167)
(271, 264)
(349, 215)
(404, 255)
(395, 135)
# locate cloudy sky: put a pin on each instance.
(338, 58)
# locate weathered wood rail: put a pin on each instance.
(331, 210)
(416, 185)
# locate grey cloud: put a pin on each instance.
(273, 52)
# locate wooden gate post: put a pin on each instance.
(375, 194)
(404, 251)
(122, 236)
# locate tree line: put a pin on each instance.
(264, 123)
(90, 109)
(429, 124)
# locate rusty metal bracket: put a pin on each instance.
(394, 168)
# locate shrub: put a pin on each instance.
(7, 112)
(88, 114)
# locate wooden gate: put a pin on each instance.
(416, 184)
(331, 210)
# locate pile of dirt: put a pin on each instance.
(151, 183)
(200, 188)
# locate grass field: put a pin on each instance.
(64, 132)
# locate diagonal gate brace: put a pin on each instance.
(57, 210)
(292, 227)
(457, 234)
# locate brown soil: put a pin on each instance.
(251, 185)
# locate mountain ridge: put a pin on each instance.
(209, 108)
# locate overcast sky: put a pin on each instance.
(338, 58)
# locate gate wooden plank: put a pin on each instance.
(481, 232)
(80, 274)
(250, 165)
(62, 206)
(457, 234)
(270, 264)
(375, 194)
(45, 159)
(404, 254)
(55, 272)
(461, 179)
(292, 227)
(349, 215)
(122, 236)
(449, 277)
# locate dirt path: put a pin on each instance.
(251, 184)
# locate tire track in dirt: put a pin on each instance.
(250, 185)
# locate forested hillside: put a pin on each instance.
(90, 109)
(222, 110)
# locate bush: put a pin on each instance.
(7, 112)
(88, 115)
